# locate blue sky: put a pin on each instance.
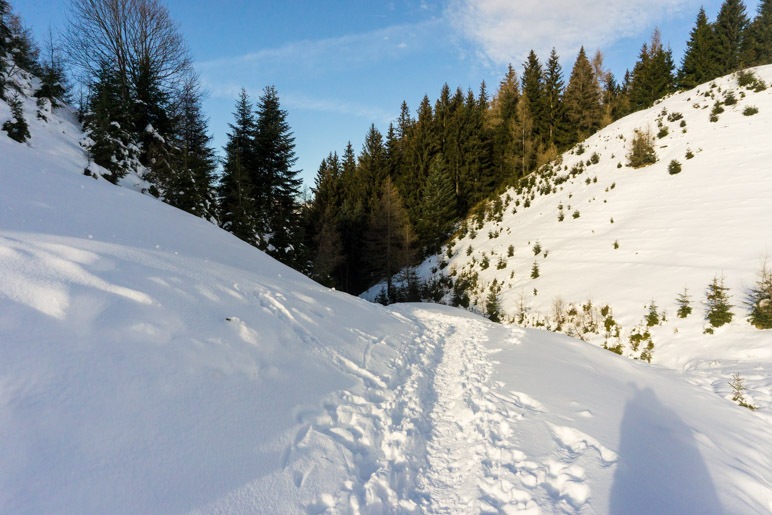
(339, 66)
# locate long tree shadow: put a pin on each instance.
(660, 470)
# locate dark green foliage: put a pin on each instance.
(582, 99)
(17, 127)
(674, 167)
(276, 185)
(535, 270)
(641, 150)
(728, 34)
(389, 239)
(684, 304)
(750, 110)
(53, 79)
(237, 200)
(493, 304)
(759, 299)
(718, 310)
(757, 45)
(696, 65)
(652, 76)
(652, 316)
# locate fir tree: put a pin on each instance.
(758, 38)
(493, 304)
(53, 79)
(390, 237)
(759, 300)
(500, 119)
(582, 99)
(275, 184)
(237, 202)
(652, 76)
(718, 310)
(533, 88)
(696, 65)
(5, 35)
(17, 127)
(553, 100)
(684, 304)
(437, 208)
(728, 34)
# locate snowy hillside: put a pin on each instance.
(588, 245)
(152, 363)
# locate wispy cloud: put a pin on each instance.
(300, 101)
(503, 31)
(313, 57)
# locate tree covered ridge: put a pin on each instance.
(457, 152)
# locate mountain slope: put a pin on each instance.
(150, 362)
(612, 236)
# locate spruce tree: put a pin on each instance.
(500, 119)
(728, 35)
(437, 207)
(758, 41)
(696, 65)
(237, 202)
(534, 89)
(684, 304)
(553, 100)
(5, 36)
(53, 79)
(718, 310)
(17, 127)
(582, 99)
(652, 76)
(275, 183)
(759, 300)
(389, 238)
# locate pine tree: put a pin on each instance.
(758, 41)
(5, 35)
(390, 237)
(759, 300)
(553, 99)
(684, 304)
(696, 65)
(17, 127)
(652, 76)
(191, 187)
(237, 202)
(53, 79)
(437, 208)
(728, 34)
(275, 184)
(582, 99)
(499, 120)
(534, 89)
(718, 310)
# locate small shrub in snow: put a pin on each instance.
(16, 127)
(576, 214)
(689, 153)
(642, 150)
(616, 244)
(750, 110)
(536, 248)
(652, 317)
(684, 304)
(718, 310)
(663, 131)
(738, 392)
(535, 271)
(730, 99)
(674, 167)
(511, 251)
(594, 158)
(759, 299)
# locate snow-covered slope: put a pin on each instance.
(152, 363)
(611, 236)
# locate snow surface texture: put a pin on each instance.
(630, 237)
(152, 363)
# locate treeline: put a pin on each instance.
(397, 200)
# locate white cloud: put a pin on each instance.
(503, 31)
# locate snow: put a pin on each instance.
(152, 363)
